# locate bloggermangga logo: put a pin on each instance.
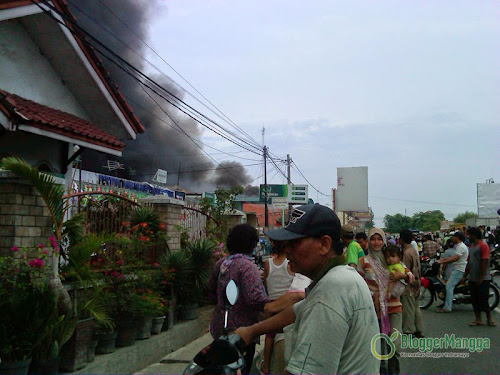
(390, 343)
(426, 344)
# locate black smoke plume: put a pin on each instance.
(163, 145)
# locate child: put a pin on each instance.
(392, 255)
(279, 279)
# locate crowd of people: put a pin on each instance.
(327, 291)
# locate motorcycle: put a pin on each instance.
(432, 287)
(495, 258)
(224, 355)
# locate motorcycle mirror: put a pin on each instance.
(232, 292)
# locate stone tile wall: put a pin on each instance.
(170, 211)
(24, 218)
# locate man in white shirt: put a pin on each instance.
(459, 260)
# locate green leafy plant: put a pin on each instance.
(32, 323)
(148, 303)
(218, 212)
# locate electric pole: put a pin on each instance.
(266, 211)
(289, 181)
(266, 219)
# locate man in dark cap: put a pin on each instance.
(459, 260)
(331, 330)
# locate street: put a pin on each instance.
(438, 325)
(435, 326)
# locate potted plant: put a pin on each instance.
(200, 255)
(147, 305)
(88, 299)
(27, 304)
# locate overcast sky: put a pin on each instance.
(408, 88)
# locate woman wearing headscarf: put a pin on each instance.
(373, 268)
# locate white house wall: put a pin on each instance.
(28, 73)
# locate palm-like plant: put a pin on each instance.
(52, 195)
(200, 254)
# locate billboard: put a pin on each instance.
(352, 189)
(488, 200)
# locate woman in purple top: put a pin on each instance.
(252, 297)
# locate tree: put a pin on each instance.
(396, 223)
(428, 221)
(218, 211)
(370, 224)
(460, 218)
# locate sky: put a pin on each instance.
(409, 89)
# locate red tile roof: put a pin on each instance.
(91, 55)
(28, 112)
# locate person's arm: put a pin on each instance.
(212, 283)
(276, 323)
(266, 272)
(451, 259)
(351, 256)
(485, 256)
(282, 302)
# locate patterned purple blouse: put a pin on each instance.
(251, 297)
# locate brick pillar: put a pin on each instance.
(170, 211)
(24, 218)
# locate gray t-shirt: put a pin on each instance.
(462, 251)
(475, 262)
(333, 329)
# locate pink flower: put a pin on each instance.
(113, 273)
(36, 263)
(45, 252)
(119, 262)
(40, 246)
(156, 264)
(14, 248)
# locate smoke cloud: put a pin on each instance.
(162, 145)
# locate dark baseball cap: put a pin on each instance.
(459, 235)
(310, 220)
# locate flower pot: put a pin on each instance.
(189, 311)
(107, 343)
(157, 324)
(143, 328)
(74, 352)
(171, 315)
(48, 367)
(91, 348)
(125, 329)
(15, 368)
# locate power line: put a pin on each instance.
(311, 185)
(213, 169)
(151, 64)
(141, 74)
(184, 79)
(180, 131)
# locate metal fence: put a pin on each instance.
(193, 221)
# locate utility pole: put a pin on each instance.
(266, 211)
(289, 182)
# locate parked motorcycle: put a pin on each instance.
(495, 258)
(432, 288)
(224, 355)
